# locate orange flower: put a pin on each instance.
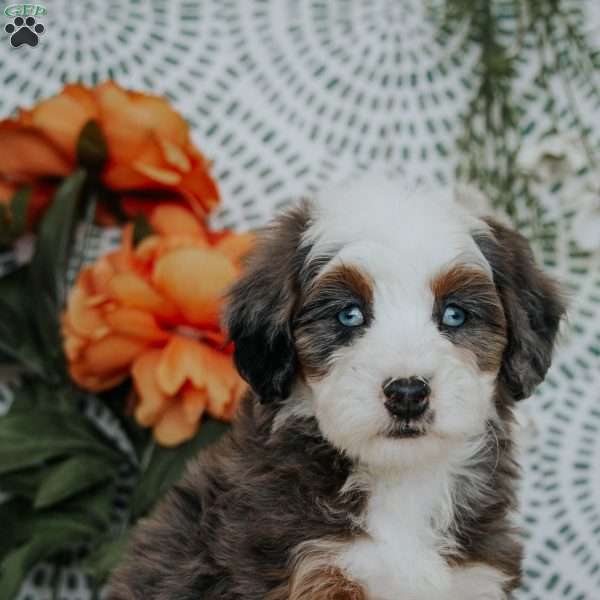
(152, 312)
(149, 147)
(148, 143)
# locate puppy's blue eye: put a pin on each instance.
(454, 316)
(351, 316)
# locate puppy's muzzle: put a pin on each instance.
(407, 398)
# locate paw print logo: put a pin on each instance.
(24, 31)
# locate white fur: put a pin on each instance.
(402, 238)
(408, 515)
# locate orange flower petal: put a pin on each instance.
(195, 280)
(151, 401)
(112, 353)
(80, 374)
(129, 117)
(62, 117)
(178, 363)
(7, 191)
(224, 385)
(73, 344)
(200, 190)
(135, 323)
(26, 154)
(135, 292)
(100, 275)
(193, 403)
(173, 428)
(133, 124)
(236, 245)
(150, 147)
(119, 176)
(155, 245)
(86, 320)
(160, 175)
(185, 361)
(148, 248)
(175, 156)
(169, 219)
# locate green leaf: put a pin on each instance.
(93, 507)
(4, 220)
(13, 514)
(18, 210)
(49, 263)
(11, 289)
(33, 394)
(26, 439)
(15, 567)
(13, 218)
(49, 537)
(23, 483)
(92, 151)
(105, 557)
(17, 341)
(29, 536)
(72, 476)
(164, 466)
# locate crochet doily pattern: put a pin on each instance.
(285, 96)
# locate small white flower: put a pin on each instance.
(586, 223)
(553, 157)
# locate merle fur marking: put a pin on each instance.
(232, 528)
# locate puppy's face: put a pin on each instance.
(397, 351)
(395, 319)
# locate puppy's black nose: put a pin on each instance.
(407, 398)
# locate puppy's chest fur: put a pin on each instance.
(407, 539)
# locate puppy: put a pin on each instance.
(386, 335)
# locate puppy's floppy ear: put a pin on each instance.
(261, 305)
(533, 306)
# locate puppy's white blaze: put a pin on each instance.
(424, 226)
(401, 554)
(478, 582)
(401, 240)
(401, 341)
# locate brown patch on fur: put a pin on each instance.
(461, 277)
(315, 576)
(322, 583)
(344, 276)
(484, 331)
(327, 584)
(317, 331)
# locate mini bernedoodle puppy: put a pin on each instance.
(386, 334)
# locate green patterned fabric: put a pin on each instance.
(285, 96)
